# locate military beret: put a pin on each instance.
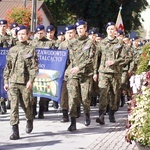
(99, 35)
(60, 33)
(91, 32)
(49, 28)
(39, 28)
(3, 22)
(13, 25)
(69, 27)
(109, 24)
(135, 38)
(120, 32)
(21, 27)
(80, 22)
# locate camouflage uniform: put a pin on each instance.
(64, 94)
(109, 77)
(21, 67)
(81, 53)
(5, 41)
(43, 103)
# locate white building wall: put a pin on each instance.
(45, 19)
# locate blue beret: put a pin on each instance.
(99, 35)
(120, 32)
(39, 28)
(3, 22)
(49, 28)
(135, 38)
(60, 33)
(21, 27)
(91, 32)
(109, 24)
(69, 27)
(80, 22)
(13, 25)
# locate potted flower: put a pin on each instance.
(139, 118)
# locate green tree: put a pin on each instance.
(97, 12)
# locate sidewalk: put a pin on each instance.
(50, 134)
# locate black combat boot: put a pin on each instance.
(72, 127)
(15, 134)
(46, 105)
(8, 104)
(87, 119)
(34, 110)
(3, 107)
(122, 100)
(100, 119)
(111, 116)
(29, 126)
(78, 112)
(94, 101)
(65, 117)
(55, 104)
(41, 112)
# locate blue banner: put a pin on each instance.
(48, 83)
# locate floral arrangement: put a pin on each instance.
(144, 60)
(139, 117)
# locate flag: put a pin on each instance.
(119, 22)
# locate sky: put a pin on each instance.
(146, 16)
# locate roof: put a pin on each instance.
(6, 5)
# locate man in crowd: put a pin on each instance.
(112, 58)
(19, 74)
(79, 74)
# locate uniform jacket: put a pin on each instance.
(81, 53)
(21, 65)
(110, 51)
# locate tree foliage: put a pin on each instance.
(22, 15)
(98, 12)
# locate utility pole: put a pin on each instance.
(24, 3)
(34, 15)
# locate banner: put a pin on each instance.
(119, 22)
(48, 83)
(3, 53)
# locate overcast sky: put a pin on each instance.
(146, 17)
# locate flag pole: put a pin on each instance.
(119, 22)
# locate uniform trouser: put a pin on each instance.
(79, 91)
(64, 96)
(108, 84)
(18, 93)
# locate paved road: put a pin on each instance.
(50, 134)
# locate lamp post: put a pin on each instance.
(34, 15)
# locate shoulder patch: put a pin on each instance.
(28, 56)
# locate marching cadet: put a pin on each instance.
(41, 41)
(19, 74)
(13, 28)
(79, 74)
(98, 38)
(92, 35)
(4, 42)
(50, 35)
(112, 57)
(60, 38)
(70, 34)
